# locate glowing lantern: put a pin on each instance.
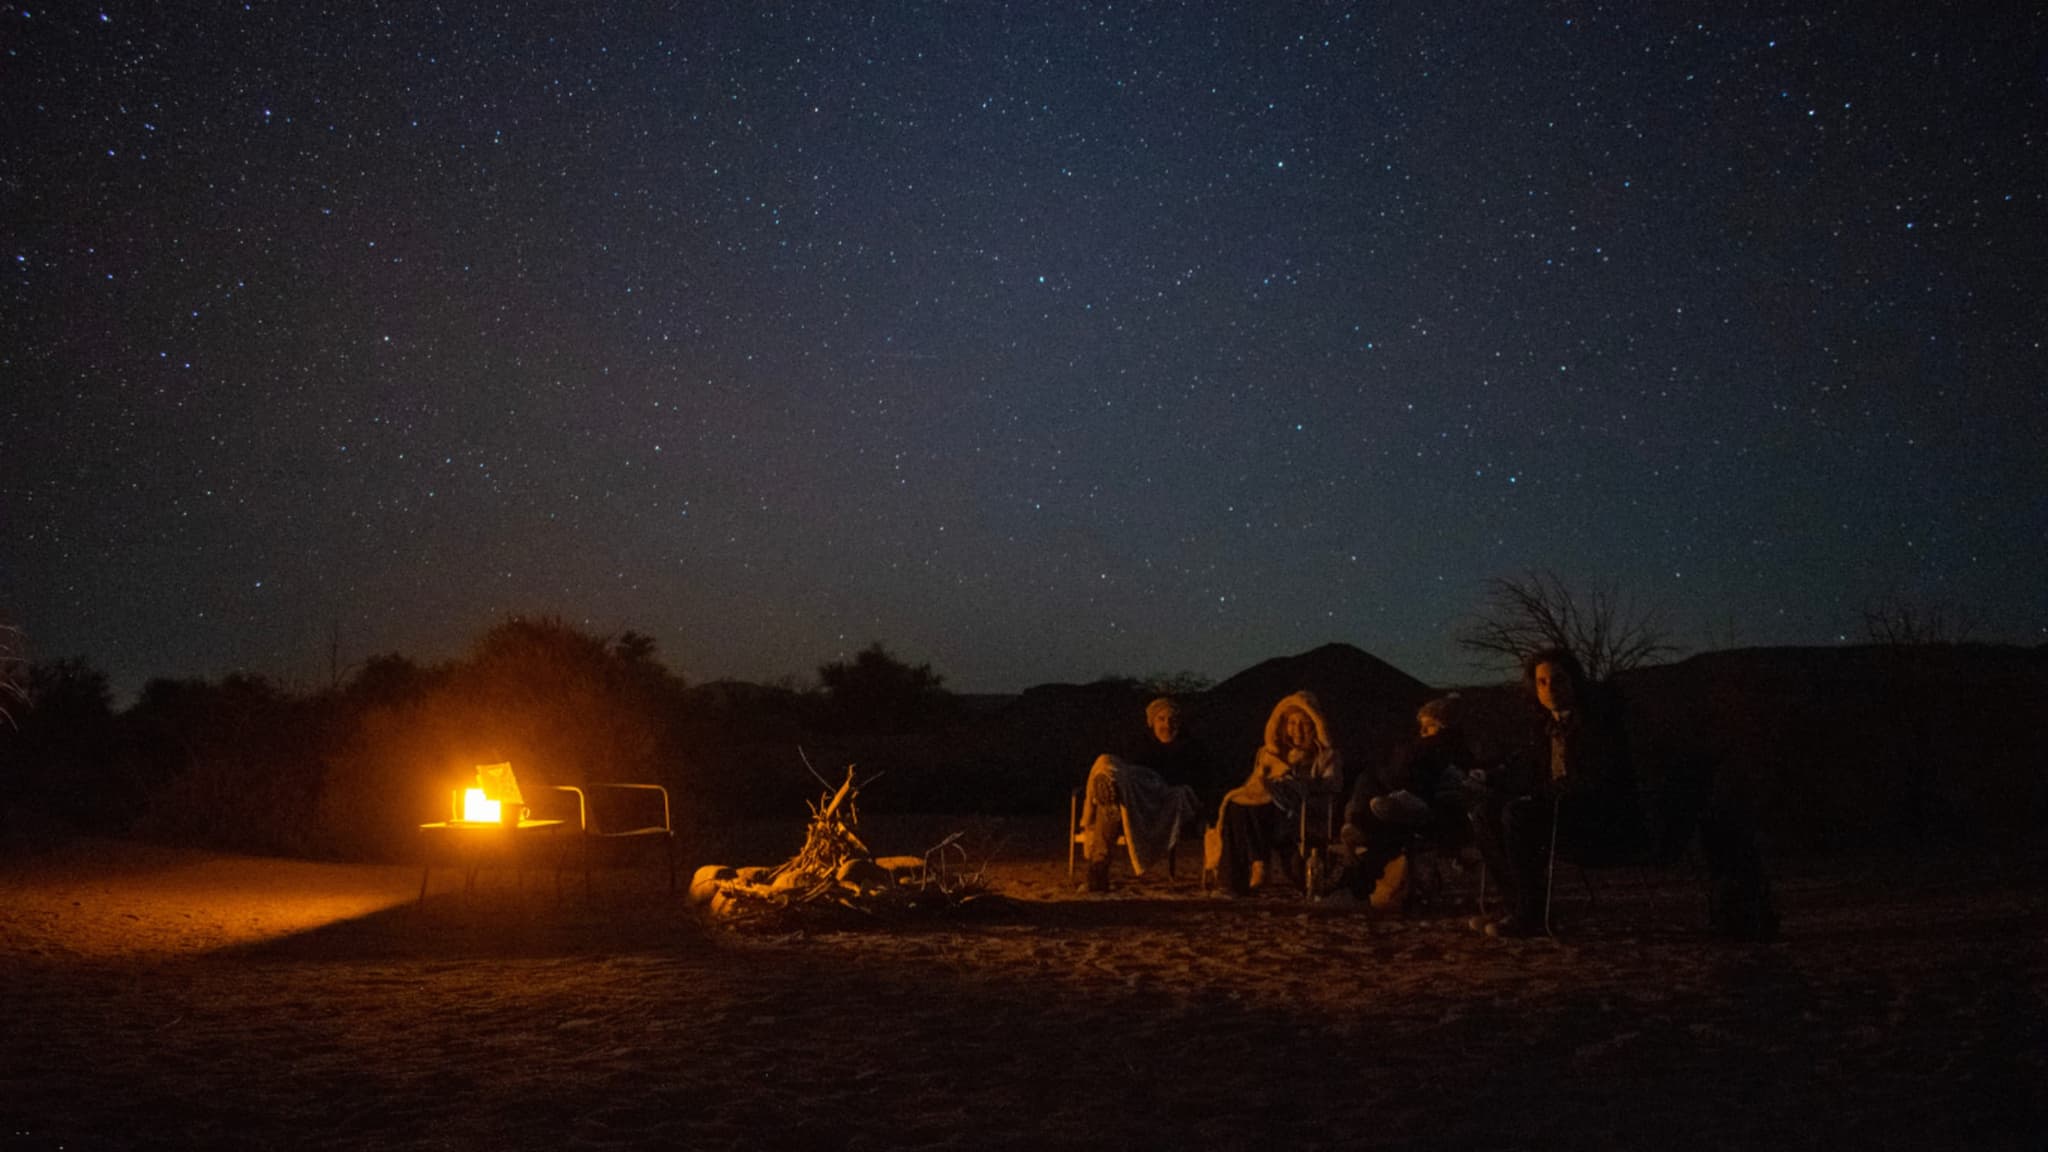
(495, 799)
(478, 810)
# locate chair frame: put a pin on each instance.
(591, 838)
(1550, 878)
(1330, 801)
(1315, 856)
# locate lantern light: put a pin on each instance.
(478, 810)
(494, 799)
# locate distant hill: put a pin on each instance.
(1370, 704)
(1038, 747)
(1863, 747)
(1858, 748)
(1849, 748)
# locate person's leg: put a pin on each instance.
(1270, 828)
(1234, 868)
(1358, 809)
(1489, 832)
(1375, 844)
(1247, 841)
(1100, 823)
(1357, 836)
(1739, 902)
(1525, 829)
(1448, 828)
(1098, 841)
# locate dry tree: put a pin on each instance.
(1527, 614)
(1897, 623)
(13, 672)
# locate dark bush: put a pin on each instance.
(232, 765)
(57, 756)
(560, 705)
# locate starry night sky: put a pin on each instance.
(1037, 341)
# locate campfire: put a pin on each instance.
(835, 877)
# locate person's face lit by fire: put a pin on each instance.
(1297, 730)
(1554, 689)
(1165, 722)
(1428, 724)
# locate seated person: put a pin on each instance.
(1578, 771)
(1155, 789)
(1296, 760)
(1420, 791)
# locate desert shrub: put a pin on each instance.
(876, 692)
(385, 681)
(57, 748)
(234, 764)
(744, 745)
(562, 706)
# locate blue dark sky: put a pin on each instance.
(1037, 341)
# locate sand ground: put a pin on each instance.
(161, 998)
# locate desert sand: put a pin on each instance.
(165, 998)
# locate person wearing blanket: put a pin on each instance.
(1150, 795)
(1297, 759)
(1423, 791)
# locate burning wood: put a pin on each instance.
(835, 876)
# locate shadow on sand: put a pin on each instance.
(497, 924)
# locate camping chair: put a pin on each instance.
(622, 814)
(1316, 839)
(1551, 861)
(1077, 803)
(1427, 854)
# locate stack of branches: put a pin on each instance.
(830, 843)
(835, 879)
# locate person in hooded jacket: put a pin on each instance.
(1297, 760)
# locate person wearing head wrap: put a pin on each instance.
(1420, 792)
(1148, 795)
(1298, 758)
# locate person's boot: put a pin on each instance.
(1360, 880)
(1517, 926)
(1390, 887)
(1524, 919)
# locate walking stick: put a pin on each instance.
(1308, 870)
(1550, 870)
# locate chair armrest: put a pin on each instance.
(667, 822)
(582, 806)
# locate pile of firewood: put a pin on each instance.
(836, 878)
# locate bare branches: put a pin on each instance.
(13, 672)
(835, 869)
(1900, 624)
(1529, 613)
(824, 783)
(831, 839)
